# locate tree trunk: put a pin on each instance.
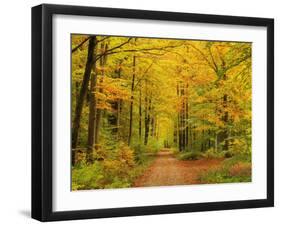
(225, 119)
(203, 141)
(118, 113)
(182, 113)
(132, 102)
(190, 138)
(140, 113)
(175, 133)
(194, 133)
(92, 117)
(103, 60)
(147, 119)
(216, 142)
(79, 105)
(158, 130)
(152, 126)
(186, 118)
(209, 140)
(155, 126)
(179, 121)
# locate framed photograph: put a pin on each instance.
(146, 112)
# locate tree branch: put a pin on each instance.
(212, 57)
(136, 50)
(103, 39)
(144, 74)
(108, 52)
(204, 56)
(239, 61)
(78, 46)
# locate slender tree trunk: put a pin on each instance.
(103, 61)
(179, 121)
(194, 133)
(182, 132)
(147, 119)
(152, 126)
(80, 102)
(203, 141)
(132, 102)
(225, 119)
(191, 138)
(183, 118)
(209, 140)
(179, 132)
(216, 142)
(186, 117)
(158, 130)
(155, 126)
(118, 113)
(175, 133)
(92, 117)
(140, 113)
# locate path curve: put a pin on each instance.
(167, 170)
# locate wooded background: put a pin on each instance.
(144, 94)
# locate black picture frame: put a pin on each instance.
(42, 111)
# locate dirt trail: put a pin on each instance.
(167, 170)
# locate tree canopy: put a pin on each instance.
(141, 94)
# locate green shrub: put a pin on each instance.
(125, 155)
(153, 146)
(228, 154)
(175, 151)
(118, 183)
(234, 169)
(87, 176)
(212, 153)
(115, 170)
(139, 150)
(245, 158)
(238, 146)
(100, 153)
(142, 151)
(223, 175)
(190, 156)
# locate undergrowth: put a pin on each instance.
(117, 170)
(235, 169)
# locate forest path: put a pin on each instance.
(167, 170)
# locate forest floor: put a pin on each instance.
(168, 170)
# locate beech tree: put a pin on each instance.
(184, 94)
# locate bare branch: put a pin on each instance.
(204, 56)
(103, 39)
(212, 57)
(109, 51)
(137, 50)
(144, 74)
(78, 46)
